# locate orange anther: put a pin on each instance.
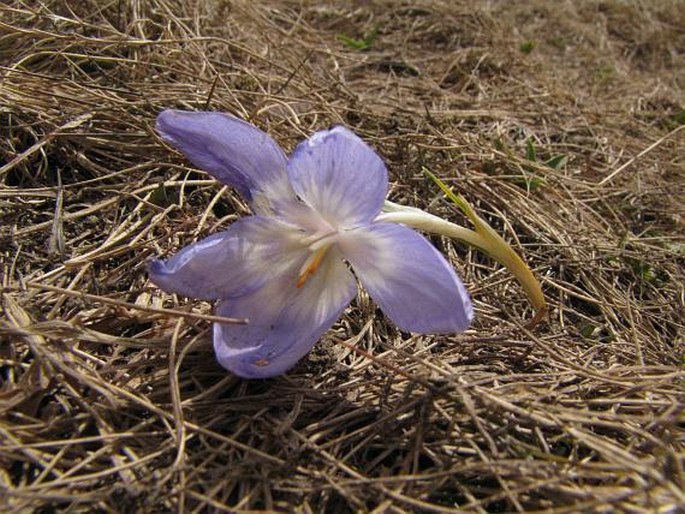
(311, 265)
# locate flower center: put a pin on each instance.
(318, 245)
(311, 265)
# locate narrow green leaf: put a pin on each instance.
(679, 117)
(357, 44)
(502, 147)
(531, 154)
(360, 44)
(458, 200)
(557, 162)
(160, 196)
(527, 46)
(529, 182)
(497, 248)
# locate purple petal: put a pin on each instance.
(232, 150)
(408, 278)
(339, 176)
(231, 263)
(284, 321)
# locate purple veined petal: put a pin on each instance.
(230, 263)
(408, 278)
(340, 177)
(284, 321)
(230, 149)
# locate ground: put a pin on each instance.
(560, 122)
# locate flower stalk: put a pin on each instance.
(483, 238)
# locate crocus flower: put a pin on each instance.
(287, 268)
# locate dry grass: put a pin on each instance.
(110, 398)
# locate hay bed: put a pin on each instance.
(110, 398)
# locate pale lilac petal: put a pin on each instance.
(231, 263)
(408, 278)
(284, 321)
(340, 177)
(230, 149)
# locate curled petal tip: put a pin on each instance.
(232, 150)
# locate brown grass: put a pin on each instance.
(111, 400)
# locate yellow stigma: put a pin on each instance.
(311, 265)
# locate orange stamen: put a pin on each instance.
(311, 265)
